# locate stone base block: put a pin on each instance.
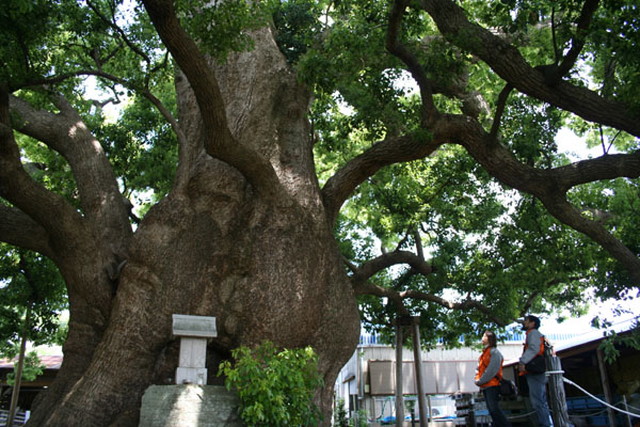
(189, 405)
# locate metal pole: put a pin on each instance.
(399, 399)
(417, 360)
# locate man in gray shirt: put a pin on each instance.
(534, 347)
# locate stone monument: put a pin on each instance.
(194, 331)
(190, 402)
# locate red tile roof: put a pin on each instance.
(50, 362)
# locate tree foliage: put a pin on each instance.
(29, 280)
(275, 387)
(483, 240)
(464, 217)
(32, 369)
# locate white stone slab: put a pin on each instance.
(194, 326)
(193, 352)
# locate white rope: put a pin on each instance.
(599, 400)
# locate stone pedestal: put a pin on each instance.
(189, 406)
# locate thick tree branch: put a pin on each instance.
(400, 51)
(219, 141)
(66, 133)
(560, 208)
(50, 210)
(18, 229)
(371, 267)
(509, 64)
(549, 185)
(389, 151)
(609, 166)
(184, 163)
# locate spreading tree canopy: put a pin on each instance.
(292, 167)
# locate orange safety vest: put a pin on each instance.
(483, 362)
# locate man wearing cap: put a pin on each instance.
(534, 347)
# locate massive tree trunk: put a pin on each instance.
(264, 264)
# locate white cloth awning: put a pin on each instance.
(440, 377)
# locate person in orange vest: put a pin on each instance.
(488, 377)
(537, 382)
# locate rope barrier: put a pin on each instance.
(588, 414)
(600, 400)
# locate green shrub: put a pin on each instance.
(340, 415)
(31, 369)
(275, 388)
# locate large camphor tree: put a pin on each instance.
(263, 152)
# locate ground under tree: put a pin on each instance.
(246, 230)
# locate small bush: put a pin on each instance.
(275, 388)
